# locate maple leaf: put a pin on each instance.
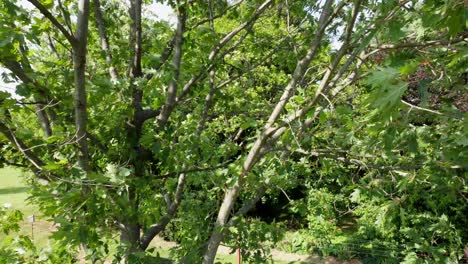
(387, 90)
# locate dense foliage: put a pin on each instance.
(344, 120)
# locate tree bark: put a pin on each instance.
(171, 94)
(129, 237)
(43, 120)
(130, 234)
(80, 96)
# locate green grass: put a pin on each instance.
(13, 191)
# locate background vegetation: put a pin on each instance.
(331, 128)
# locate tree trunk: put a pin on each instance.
(129, 237)
(223, 215)
(80, 100)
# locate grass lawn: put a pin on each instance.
(13, 191)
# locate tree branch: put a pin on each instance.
(54, 21)
(42, 116)
(439, 42)
(35, 161)
(173, 85)
(217, 48)
(136, 39)
(155, 229)
(104, 39)
(203, 21)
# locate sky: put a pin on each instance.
(154, 10)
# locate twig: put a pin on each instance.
(421, 108)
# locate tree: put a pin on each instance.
(198, 120)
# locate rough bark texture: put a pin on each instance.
(136, 38)
(130, 234)
(80, 97)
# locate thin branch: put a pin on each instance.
(155, 229)
(342, 156)
(302, 65)
(9, 163)
(68, 35)
(211, 84)
(206, 20)
(234, 32)
(66, 15)
(421, 108)
(164, 114)
(52, 46)
(192, 170)
(439, 42)
(217, 48)
(249, 204)
(251, 68)
(95, 140)
(164, 56)
(20, 73)
(35, 161)
(324, 86)
(104, 39)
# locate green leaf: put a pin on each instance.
(382, 76)
(48, 3)
(409, 68)
(355, 196)
(388, 88)
(233, 230)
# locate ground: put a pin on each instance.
(14, 192)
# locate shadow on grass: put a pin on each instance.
(11, 190)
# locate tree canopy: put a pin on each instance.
(135, 126)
